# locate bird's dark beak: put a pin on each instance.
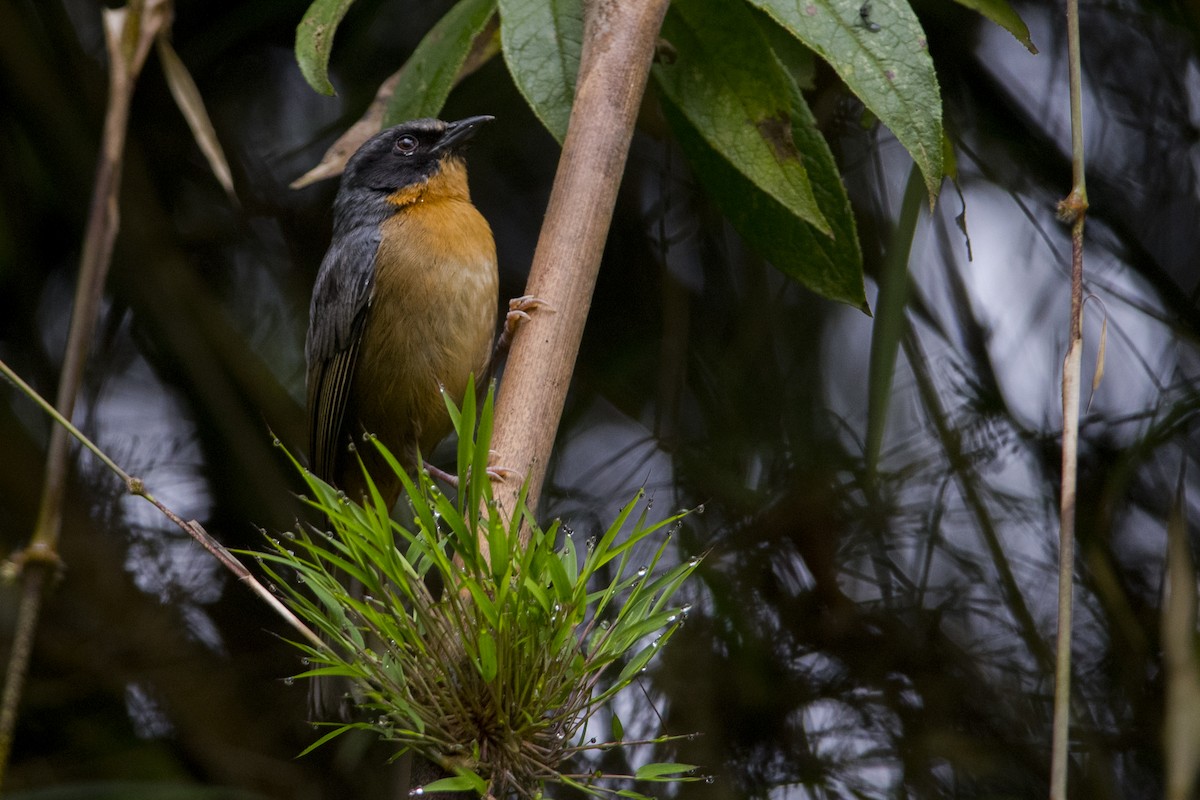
(458, 133)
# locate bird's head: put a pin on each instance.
(410, 154)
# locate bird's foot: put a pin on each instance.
(518, 313)
(441, 474)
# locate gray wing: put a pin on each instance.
(340, 301)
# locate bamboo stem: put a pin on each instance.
(618, 47)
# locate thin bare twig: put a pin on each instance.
(1072, 210)
(137, 487)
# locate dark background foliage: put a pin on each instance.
(854, 634)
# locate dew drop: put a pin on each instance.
(275, 441)
(289, 535)
(710, 779)
(641, 573)
(417, 792)
(305, 661)
(603, 624)
(694, 561)
(700, 508)
(288, 681)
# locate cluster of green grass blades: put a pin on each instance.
(495, 674)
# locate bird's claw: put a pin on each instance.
(503, 474)
(518, 312)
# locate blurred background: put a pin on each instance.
(855, 633)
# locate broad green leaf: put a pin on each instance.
(428, 75)
(1001, 13)
(618, 729)
(651, 771)
(541, 41)
(314, 41)
(726, 81)
(799, 61)
(830, 267)
(883, 57)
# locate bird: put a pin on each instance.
(404, 304)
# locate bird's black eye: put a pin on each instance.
(406, 145)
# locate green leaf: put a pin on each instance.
(428, 76)
(475, 781)
(1001, 13)
(560, 582)
(830, 267)
(729, 85)
(637, 664)
(459, 783)
(651, 771)
(314, 41)
(333, 735)
(890, 324)
(618, 729)
(538, 594)
(541, 42)
(487, 656)
(884, 60)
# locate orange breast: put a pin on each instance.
(431, 321)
